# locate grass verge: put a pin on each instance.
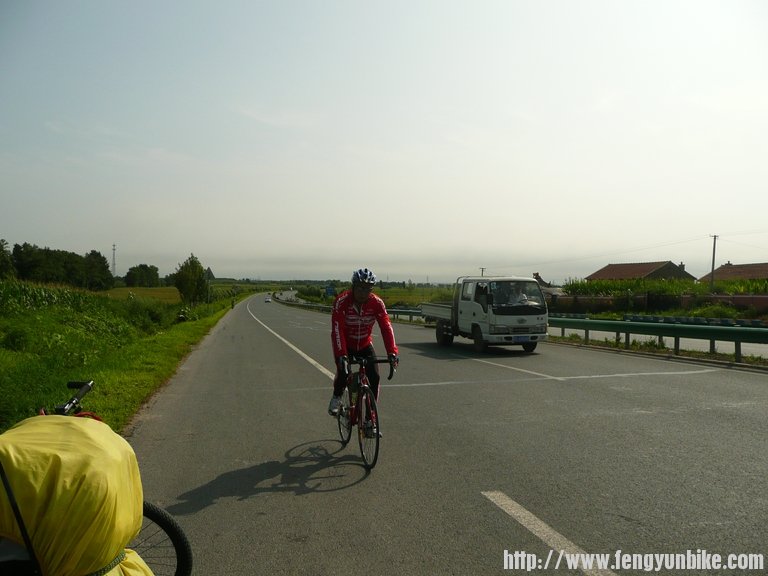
(129, 348)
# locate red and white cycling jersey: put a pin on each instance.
(352, 325)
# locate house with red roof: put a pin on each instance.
(642, 270)
(730, 271)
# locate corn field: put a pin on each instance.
(662, 287)
(20, 296)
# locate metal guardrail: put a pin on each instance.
(738, 334)
(409, 312)
(735, 334)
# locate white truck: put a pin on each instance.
(492, 310)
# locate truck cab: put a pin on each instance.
(495, 310)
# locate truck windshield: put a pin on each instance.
(512, 293)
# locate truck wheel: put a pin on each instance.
(529, 346)
(480, 344)
(443, 333)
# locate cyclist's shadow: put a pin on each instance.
(308, 468)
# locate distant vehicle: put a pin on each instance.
(492, 310)
(268, 299)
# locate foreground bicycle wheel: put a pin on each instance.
(344, 418)
(368, 427)
(162, 543)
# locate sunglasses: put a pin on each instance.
(364, 287)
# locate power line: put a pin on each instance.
(605, 254)
(742, 244)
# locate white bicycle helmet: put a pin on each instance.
(363, 276)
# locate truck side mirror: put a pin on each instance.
(490, 299)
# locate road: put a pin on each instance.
(483, 454)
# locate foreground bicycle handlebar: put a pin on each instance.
(73, 405)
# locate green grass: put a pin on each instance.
(130, 347)
(127, 379)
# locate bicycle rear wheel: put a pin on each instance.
(344, 418)
(368, 427)
(162, 544)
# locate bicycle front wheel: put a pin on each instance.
(368, 427)
(162, 544)
(344, 418)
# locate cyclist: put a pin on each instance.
(355, 311)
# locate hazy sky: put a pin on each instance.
(303, 139)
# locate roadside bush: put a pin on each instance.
(310, 293)
(16, 339)
(148, 316)
(715, 311)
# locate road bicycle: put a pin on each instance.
(161, 542)
(358, 408)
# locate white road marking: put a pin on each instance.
(547, 376)
(635, 374)
(540, 529)
(443, 383)
(312, 361)
(590, 376)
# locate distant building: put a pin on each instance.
(730, 271)
(642, 270)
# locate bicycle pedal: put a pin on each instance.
(370, 431)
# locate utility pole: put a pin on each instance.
(114, 267)
(712, 274)
(482, 271)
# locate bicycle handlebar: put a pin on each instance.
(82, 389)
(363, 360)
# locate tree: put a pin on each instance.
(191, 282)
(143, 275)
(59, 266)
(66, 267)
(28, 261)
(7, 270)
(97, 274)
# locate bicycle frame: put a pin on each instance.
(359, 409)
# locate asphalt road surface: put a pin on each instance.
(486, 460)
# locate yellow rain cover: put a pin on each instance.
(78, 487)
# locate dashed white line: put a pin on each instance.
(309, 359)
(547, 376)
(590, 376)
(540, 529)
